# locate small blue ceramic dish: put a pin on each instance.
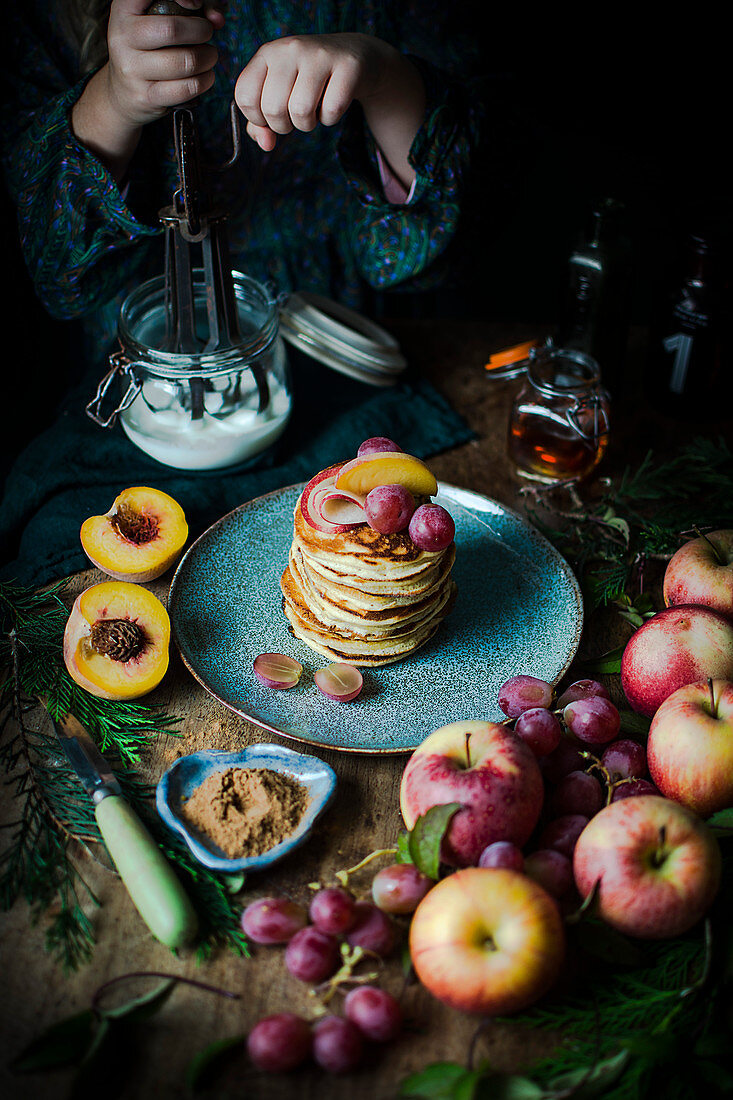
(183, 777)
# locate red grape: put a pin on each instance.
(376, 1013)
(273, 920)
(551, 869)
(339, 682)
(577, 793)
(400, 888)
(564, 759)
(389, 508)
(333, 910)
(312, 955)
(540, 729)
(625, 759)
(582, 689)
(522, 693)
(277, 670)
(431, 528)
(372, 930)
(375, 444)
(595, 720)
(562, 833)
(280, 1043)
(338, 1045)
(633, 788)
(502, 853)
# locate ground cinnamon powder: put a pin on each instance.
(246, 811)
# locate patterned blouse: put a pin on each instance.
(311, 215)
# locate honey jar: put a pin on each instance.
(559, 422)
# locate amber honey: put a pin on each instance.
(545, 447)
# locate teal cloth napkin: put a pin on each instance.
(76, 469)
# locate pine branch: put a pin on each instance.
(35, 862)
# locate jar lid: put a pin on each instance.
(341, 339)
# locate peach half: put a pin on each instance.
(116, 640)
(364, 473)
(140, 537)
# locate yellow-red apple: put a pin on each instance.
(488, 941)
(656, 863)
(701, 572)
(690, 746)
(678, 646)
(490, 771)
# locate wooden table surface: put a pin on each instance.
(364, 816)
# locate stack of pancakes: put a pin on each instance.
(361, 597)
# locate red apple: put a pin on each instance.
(487, 941)
(701, 572)
(320, 495)
(678, 646)
(690, 747)
(656, 862)
(490, 771)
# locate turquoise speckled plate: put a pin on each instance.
(518, 610)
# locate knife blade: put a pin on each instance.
(149, 878)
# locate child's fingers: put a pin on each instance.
(305, 97)
(263, 135)
(337, 96)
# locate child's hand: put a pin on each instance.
(158, 61)
(297, 82)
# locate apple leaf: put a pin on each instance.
(62, 1044)
(721, 822)
(609, 662)
(438, 1081)
(204, 1064)
(403, 848)
(426, 837)
(634, 723)
(593, 1080)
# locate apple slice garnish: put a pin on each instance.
(327, 509)
(336, 506)
(364, 473)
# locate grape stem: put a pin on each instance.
(345, 974)
(343, 877)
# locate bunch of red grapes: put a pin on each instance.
(584, 763)
(313, 942)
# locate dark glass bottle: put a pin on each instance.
(686, 372)
(597, 307)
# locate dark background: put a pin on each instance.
(614, 111)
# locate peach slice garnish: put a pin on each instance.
(140, 537)
(116, 640)
(364, 473)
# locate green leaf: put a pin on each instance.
(426, 837)
(510, 1087)
(62, 1044)
(634, 723)
(722, 820)
(403, 848)
(605, 943)
(609, 662)
(436, 1082)
(592, 1081)
(143, 1006)
(201, 1067)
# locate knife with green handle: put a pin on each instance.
(150, 880)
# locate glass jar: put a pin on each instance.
(200, 410)
(559, 422)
